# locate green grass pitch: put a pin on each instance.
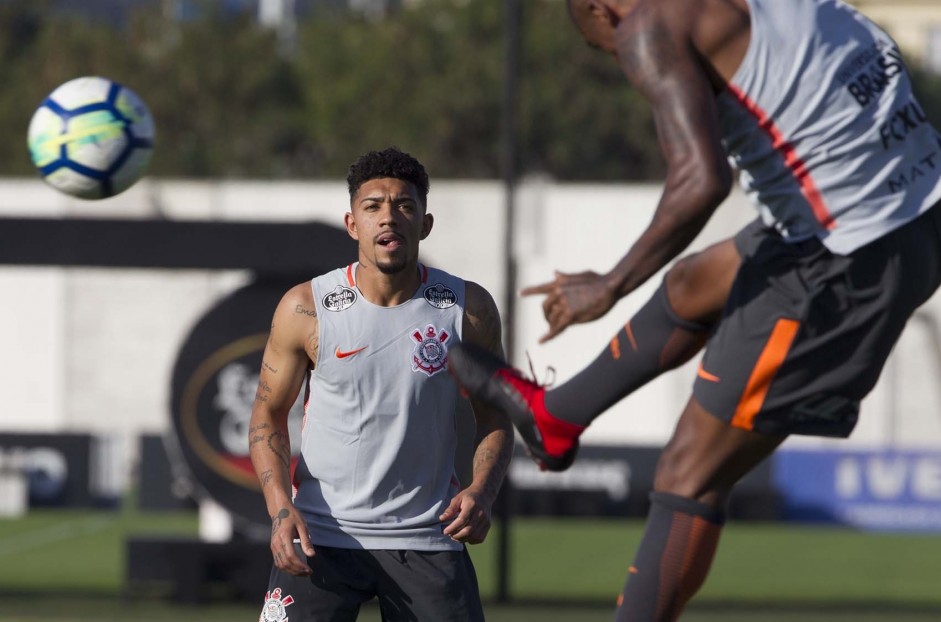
(68, 566)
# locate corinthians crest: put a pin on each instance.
(430, 353)
(274, 609)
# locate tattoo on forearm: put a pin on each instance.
(281, 446)
(254, 436)
(305, 311)
(492, 458)
(263, 388)
(278, 519)
(268, 367)
(265, 477)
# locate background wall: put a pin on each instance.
(92, 350)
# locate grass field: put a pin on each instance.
(68, 567)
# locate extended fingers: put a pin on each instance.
(284, 526)
(287, 557)
(469, 527)
(561, 279)
(543, 288)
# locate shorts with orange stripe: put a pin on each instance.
(805, 333)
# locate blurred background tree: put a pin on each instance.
(229, 101)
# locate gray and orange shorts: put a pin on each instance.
(805, 332)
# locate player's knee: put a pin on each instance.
(687, 291)
(680, 474)
(680, 279)
(674, 474)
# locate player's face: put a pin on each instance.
(603, 39)
(388, 220)
(597, 24)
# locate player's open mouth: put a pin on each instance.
(390, 241)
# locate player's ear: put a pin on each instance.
(427, 223)
(605, 11)
(350, 223)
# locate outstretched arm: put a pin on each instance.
(657, 52)
(284, 367)
(470, 510)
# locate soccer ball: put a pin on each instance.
(92, 138)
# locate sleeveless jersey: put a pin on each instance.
(376, 467)
(822, 125)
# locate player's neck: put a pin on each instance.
(387, 290)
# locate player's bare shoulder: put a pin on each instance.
(482, 324)
(295, 323)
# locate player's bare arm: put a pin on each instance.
(656, 50)
(469, 511)
(292, 345)
(655, 43)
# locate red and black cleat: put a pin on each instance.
(491, 380)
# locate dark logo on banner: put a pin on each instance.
(214, 388)
(440, 297)
(339, 299)
(46, 470)
(216, 407)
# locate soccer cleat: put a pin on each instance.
(487, 378)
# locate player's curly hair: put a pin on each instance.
(390, 162)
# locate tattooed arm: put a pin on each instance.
(292, 345)
(469, 511)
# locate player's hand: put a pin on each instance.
(287, 525)
(573, 299)
(469, 516)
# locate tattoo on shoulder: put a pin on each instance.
(484, 319)
(302, 310)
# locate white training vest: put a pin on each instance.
(376, 467)
(821, 122)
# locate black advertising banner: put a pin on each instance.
(616, 480)
(213, 388)
(56, 467)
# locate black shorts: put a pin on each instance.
(410, 585)
(805, 333)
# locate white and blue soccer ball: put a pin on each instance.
(91, 138)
